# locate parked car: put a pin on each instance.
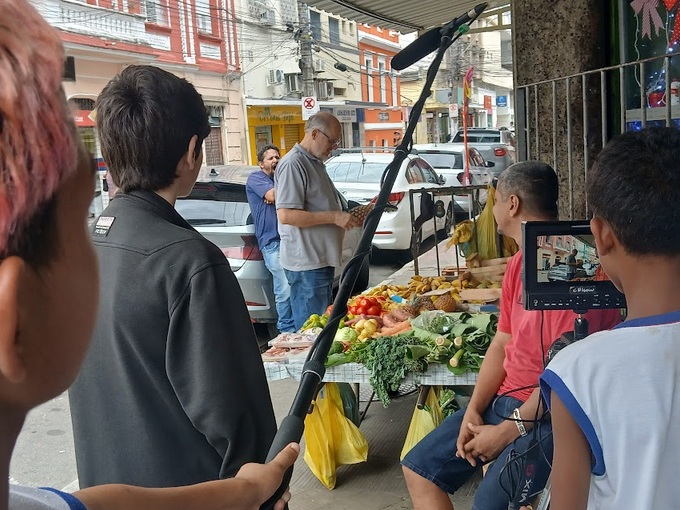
(357, 176)
(218, 208)
(496, 145)
(558, 273)
(447, 160)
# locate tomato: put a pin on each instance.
(373, 310)
(361, 310)
(352, 310)
(329, 309)
(364, 302)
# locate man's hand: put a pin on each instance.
(465, 435)
(346, 220)
(488, 440)
(266, 478)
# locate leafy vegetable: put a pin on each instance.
(386, 359)
(346, 335)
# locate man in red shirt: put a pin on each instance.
(446, 458)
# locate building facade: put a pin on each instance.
(488, 50)
(193, 39)
(273, 35)
(380, 86)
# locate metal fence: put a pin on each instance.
(566, 121)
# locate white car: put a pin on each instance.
(357, 176)
(447, 160)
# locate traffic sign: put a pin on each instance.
(453, 110)
(310, 106)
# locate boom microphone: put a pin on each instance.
(430, 40)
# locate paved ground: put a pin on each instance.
(375, 485)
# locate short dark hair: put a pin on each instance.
(633, 186)
(263, 150)
(145, 118)
(536, 185)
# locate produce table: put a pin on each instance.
(355, 373)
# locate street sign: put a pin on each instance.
(453, 110)
(310, 106)
(345, 114)
(502, 101)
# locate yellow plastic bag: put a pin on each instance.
(331, 438)
(484, 239)
(423, 421)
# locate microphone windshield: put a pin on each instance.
(418, 49)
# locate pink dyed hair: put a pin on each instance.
(37, 137)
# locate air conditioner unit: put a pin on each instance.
(276, 76)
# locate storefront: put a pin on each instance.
(281, 125)
(649, 33)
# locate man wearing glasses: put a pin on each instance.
(312, 222)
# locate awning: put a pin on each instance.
(403, 15)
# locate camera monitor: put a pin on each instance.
(562, 270)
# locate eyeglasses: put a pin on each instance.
(334, 143)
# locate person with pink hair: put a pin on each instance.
(49, 278)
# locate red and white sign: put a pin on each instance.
(453, 110)
(310, 106)
(83, 118)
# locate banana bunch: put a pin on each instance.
(420, 284)
(388, 291)
(462, 233)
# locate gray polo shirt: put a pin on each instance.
(301, 182)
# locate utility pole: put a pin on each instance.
(306, 65)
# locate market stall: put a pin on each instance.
(431, 331)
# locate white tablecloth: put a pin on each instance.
(435, 375)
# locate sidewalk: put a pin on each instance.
(377, 484)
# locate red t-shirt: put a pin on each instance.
(523, 354)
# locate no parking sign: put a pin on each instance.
(310, 106)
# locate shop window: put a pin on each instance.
(653, 31)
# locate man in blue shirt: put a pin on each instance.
(261, 197)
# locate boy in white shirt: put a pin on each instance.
(614, 396)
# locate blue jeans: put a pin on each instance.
(434, 458)
(310, 292)
(270, 253)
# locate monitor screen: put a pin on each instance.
(567, 258)
(562, 270)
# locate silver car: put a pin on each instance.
(496, 145)
(218, 208)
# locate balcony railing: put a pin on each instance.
(82, 18)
